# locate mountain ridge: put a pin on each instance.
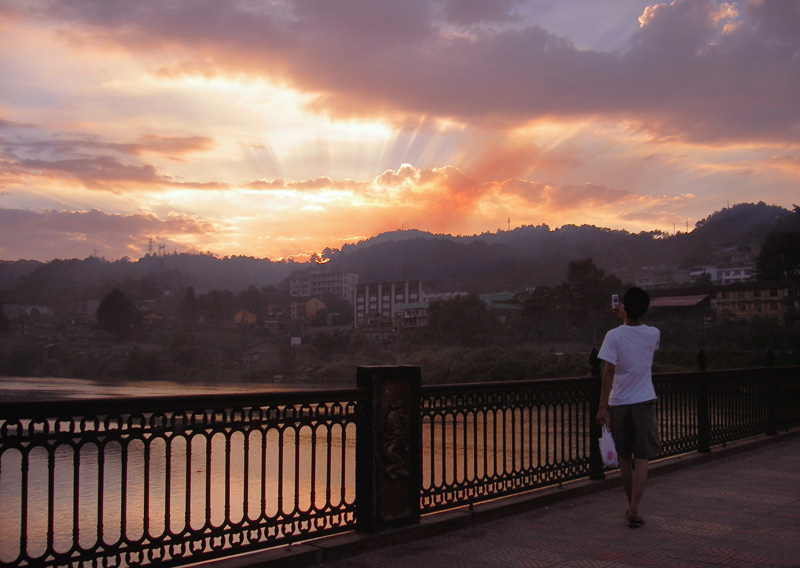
(511, 260)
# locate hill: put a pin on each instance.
(536, 255)
(506, 260)
(59, 282)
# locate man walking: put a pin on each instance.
(628, 399)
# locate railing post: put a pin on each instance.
(772, 385)
(596, 466)
(388, 448)
(703, 419)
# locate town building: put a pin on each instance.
(501, 304)
(378, 303)
(723, 276)
(653, 277)
(244, 316)
(411, 315)
(339, 284)
(735, 274)
(696, 273)
(695, 308)
(305, 308)
(749, 300)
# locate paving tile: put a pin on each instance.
(519, 557)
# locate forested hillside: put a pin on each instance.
(536, 255)
(58, 282)
(507, 260)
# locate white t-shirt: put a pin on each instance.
(630, 348)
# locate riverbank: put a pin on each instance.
(17, 389)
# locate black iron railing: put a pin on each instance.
(489, 440)
(175, 480)
(171, 480)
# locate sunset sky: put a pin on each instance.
(276, 128)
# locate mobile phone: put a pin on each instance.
(614, 300)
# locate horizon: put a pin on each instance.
(278, 130)
(320, 259)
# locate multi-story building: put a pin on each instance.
(697, 273)
(411, 315)
(725, 275)
(653, 277)
(380, 303)
(735, 274)
(339, 284)
(305, 308)
(746, 301)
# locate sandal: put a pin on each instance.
(636, 522)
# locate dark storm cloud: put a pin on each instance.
(698, 70)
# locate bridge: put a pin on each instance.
(174, 481)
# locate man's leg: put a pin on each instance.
(638, 480)
(626, 474)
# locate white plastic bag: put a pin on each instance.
(607, 448)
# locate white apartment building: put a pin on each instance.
(735, 274)
(340, 284)
(725, 276)
(697, 272)
(381, 303)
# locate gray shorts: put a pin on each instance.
(634, 428)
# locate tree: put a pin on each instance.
(545, 315)
(590, 292)
(338, 311)
(250, 299)
(117, 314)
(3, 320)
(780, 256)
(188, 309)
(704, 282)
(463, 320)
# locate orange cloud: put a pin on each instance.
(108, 174)
(174, 147)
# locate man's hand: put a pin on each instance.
(601, 415)
(619, 310)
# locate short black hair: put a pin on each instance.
(636, 302)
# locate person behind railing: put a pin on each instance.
(628, 399)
